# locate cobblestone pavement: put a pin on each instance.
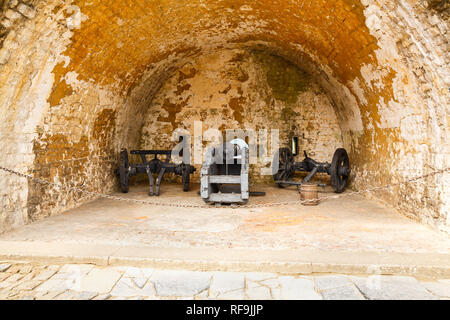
(23, 281)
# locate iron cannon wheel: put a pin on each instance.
(286, 166)
(340, 170)
(124, 172)
(186, 176)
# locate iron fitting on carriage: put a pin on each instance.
(150, 167)
(339, 169)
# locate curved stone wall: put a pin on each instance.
(77, 77)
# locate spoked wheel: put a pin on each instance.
(286, 166)
(340, 170)
(124, 172)
(186, 177)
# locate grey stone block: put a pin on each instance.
(52, 285)
(27, 285)
(330, 282)
(139, 276)
(99, 280)
(73, 295)
(392, 288)
(102, 297)
(226, 282)
(46, 273)
(73, 271)
(127, 287)
(258, 293)
(4, 267)
(298, 289)
(260, 276)
(347, 292)
(439, 289)
(180, 283)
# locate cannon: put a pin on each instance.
(224, 175)
(154, 166)
(338, 169)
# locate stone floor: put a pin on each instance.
(351, 235)
(20, 281)
(351, 224)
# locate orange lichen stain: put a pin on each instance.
(336, 33)
(187, 72)
(172, 109)
(103, 131)
(385, 137)
(58, 147)
(60, 88)
(242, 76)
(405, 80)
(236, 104)
(134, 218)
(105, 122)
(226, 90)
(59, 92)
(116, 225)
(182, 88)
(270, 222)
(50, 151)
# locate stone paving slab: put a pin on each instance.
(73, 270)
(53, 285)
(439, 289)
(346, 292)
(331, 282)
(46, 273)
(180, 283)
(103, 297)
(392, 288)
(86, 282)
(126, 287)
(4, 267)
(226, 284)
(74, 295)
(238, 294)
(298, 289)
(291, 261)
(27, 285)
(258, 292)
(99, 280)
(4, 276)
(139, 276)
(260, 276)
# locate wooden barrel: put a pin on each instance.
(310, 191)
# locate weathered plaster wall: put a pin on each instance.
(77, 79)
(413, 43)
(244, 89)
(25, 84)
(12, 13)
